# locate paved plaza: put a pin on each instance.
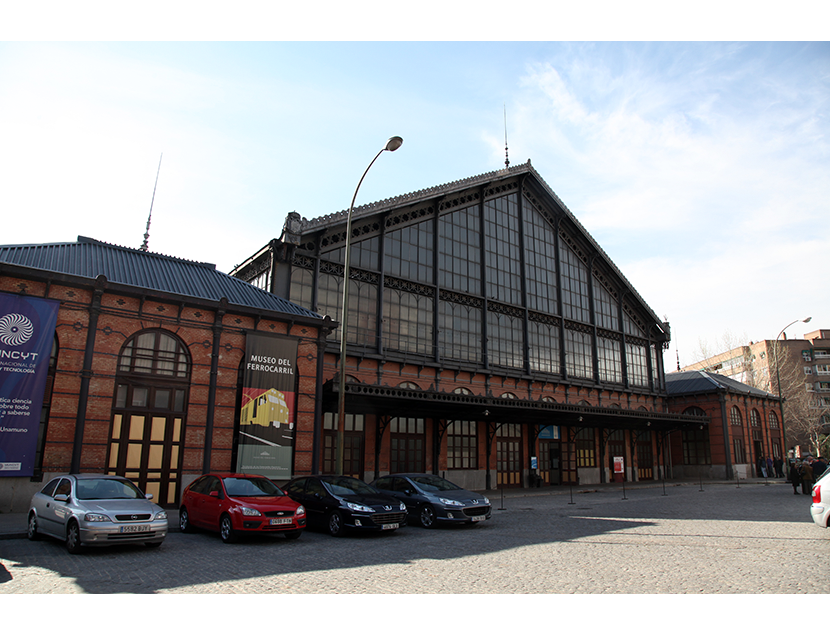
(677, 539)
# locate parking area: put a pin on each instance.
(752, 539)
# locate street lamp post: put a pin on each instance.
(391, 145)
(778, 379)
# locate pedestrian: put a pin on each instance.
(806, 479)
(770, 473)
(779, 467)
(795, 476)
(819, 466)
(762, 467)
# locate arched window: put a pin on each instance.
(409, 385)
(754, 418)
(735, 416)
(773, 420)
(148, 416)
(462, 391)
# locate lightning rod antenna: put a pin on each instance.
(150, 215)
(506, 159)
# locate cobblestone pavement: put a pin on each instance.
(752, 539)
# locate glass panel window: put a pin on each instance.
(364, 253)
(302, 287)
(637, 365)
(460, 331)
(459, 255)
(610, 360)
(540, 262)
(330, 299)
(363, 303)
(543, 347)
(579, 360)
(735, 416)
(501, 249)
(631, 327)
(155, 352)
(574, 276)
(505, 344)
(605, 307)
(407, 321)
(656, 374)
(408, 252)
(773, 420)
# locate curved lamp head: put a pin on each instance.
(805, 320)
(393, 144)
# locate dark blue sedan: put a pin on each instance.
(430, 499)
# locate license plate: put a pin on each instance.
(389, 526)
(477, 519)
(280, 521)
(134, 529)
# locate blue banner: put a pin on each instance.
(27, 330)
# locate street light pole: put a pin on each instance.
(391, 145)
(778, 379)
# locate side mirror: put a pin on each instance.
(61, 498)
(408, 492)
(214, 493)
(148, 497)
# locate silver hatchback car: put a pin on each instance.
(95, 510)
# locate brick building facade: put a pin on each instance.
(146, 369)
(744, 426)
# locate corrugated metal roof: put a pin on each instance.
(690, 382)
(89, 258)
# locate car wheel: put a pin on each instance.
(293, 535)
(426, 516)
(152, 545)
(184, 521)
(31, 530)
(73, 537)
(337, 527)
(226, 529)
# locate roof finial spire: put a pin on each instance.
(150, 215)
(506, 159)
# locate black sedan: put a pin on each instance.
(431, 499)
(341, 503)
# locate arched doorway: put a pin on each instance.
(148, 416)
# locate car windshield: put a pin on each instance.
(106, 489)
(251, 486)
(345, 485)
(433, 483)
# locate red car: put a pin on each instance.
(237, 504)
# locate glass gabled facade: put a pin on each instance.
(497, 284)
(481, 307)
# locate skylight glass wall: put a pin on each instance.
(492, 284)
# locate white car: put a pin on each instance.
(820, 509)
(95, 510)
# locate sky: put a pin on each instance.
(691, 141)
(701, 167)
